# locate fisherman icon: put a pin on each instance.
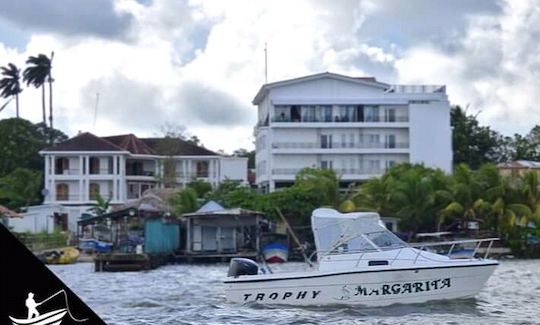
(31, 304)
(53, 317)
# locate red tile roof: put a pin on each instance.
(85, 142)
(129, 142)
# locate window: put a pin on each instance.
(202, 168)
(61, 166)
(62, 192)
(343, 141)
(371, 114)
(351, 140)
(94, 165)
(390, 115)
(326, 164)
(326, 141)
(390, 141)
(94, 191)
(327, 113)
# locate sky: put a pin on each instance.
(139, 66)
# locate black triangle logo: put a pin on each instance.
(30, 293)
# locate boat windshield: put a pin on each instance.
(351, 232)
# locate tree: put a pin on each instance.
(467, 202)
(201, 187)
(20, 143)
(473, 144)
(102, 205)
(323, 182)
(10, 84)
(21, 187)
(184, 201)
(37, 74)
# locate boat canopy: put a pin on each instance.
(336, 232)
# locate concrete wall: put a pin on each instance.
(233, 168)
(431, 135)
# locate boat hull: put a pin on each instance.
(377, 287)
(51, 318)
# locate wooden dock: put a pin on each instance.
(211, 257)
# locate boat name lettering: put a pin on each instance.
(349, 292)
(287, 295)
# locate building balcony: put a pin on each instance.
(69, 171)
(340, 171)
(373, 119)
(340, 145)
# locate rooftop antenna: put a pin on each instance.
(265, 64)
(95, 110)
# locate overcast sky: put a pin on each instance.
(200, 63)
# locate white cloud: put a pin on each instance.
(495, 69)
(199, 63)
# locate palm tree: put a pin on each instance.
(36, 74)
(10, 84)
(531, 194)
(467, 201)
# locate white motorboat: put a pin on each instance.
(360, 262)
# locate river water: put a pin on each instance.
(193, 294)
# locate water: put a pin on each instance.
(193, 294)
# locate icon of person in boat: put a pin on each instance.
(31, 304)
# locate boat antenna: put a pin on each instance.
(291, 231)
(95, 110)
(265, 63)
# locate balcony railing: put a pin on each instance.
(69, 171)
(140, 173)
(340, 145)
(373, 119)
(340, 171)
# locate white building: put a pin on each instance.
(121, 168)
(357, 126)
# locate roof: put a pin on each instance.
(179, 147)
(224, 212)
(368, 81)
(210, 206)
(130, 143)
(520, 164)
(9, 213)
(85, 142)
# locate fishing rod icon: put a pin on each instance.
(54, 317)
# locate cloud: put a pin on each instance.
(495, 68)
(68, 17)
(202, 104)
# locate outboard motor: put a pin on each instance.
(242, 266)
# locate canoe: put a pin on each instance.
(52, 318)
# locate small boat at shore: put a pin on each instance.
(53, 318)
(275, 252)
(360, 262)
(64, 255)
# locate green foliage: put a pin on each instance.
(184, 202)
(21, 187)
(102, 205)
(21, 142)
(473, 144)
(321, 182)
(201, 187)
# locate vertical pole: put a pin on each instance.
(265, 64)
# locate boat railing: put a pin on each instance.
(478, 243)
(421, 247)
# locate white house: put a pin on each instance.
(121, 168)
(357, 126)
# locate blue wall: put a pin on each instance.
(160, 237)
